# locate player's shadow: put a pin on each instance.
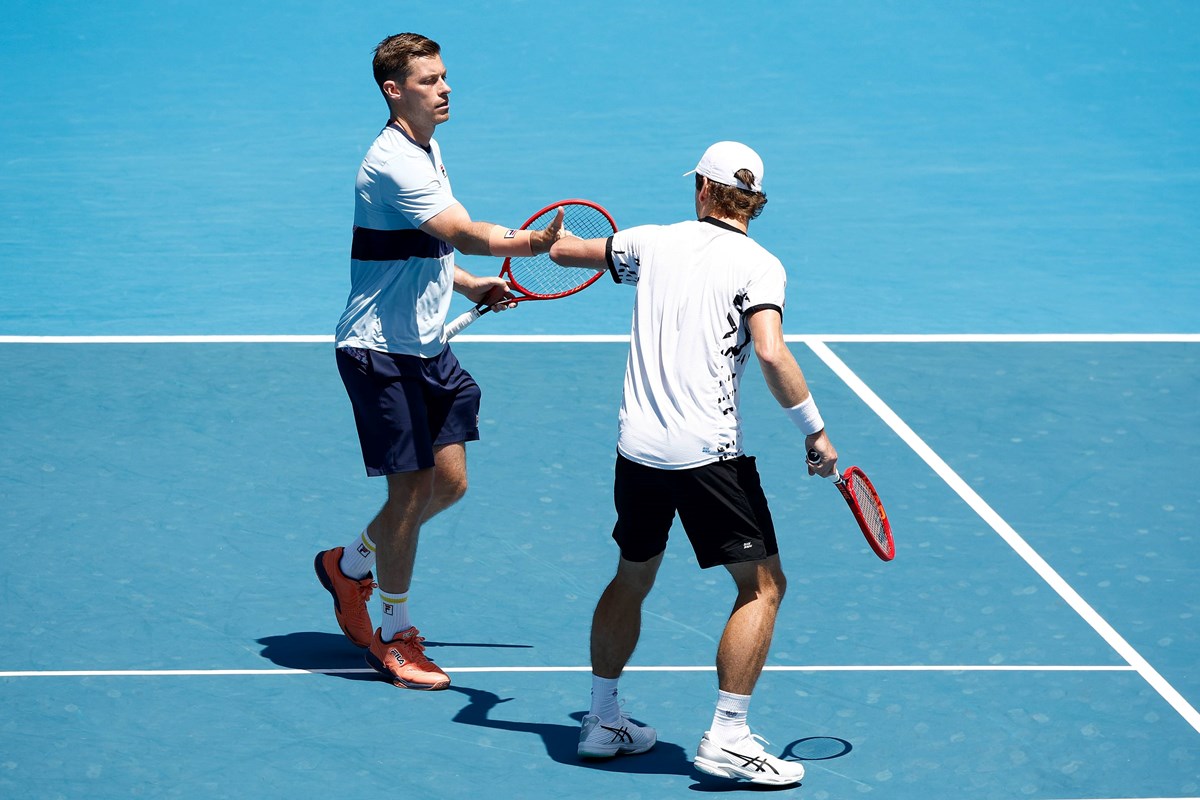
(561, 741)
(334, 654)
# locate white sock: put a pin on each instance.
(358, 559)
(729, 722)
(395, 615)
(604, 699)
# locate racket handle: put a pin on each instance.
(462, 321)
(814, 458)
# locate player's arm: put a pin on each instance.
(786, 381)
(571, 251)
(454, 226)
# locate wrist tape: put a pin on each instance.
(509, 242)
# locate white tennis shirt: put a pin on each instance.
(401, 278)
(696, 281)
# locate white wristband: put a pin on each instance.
(807, 417)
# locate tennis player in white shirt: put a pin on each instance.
(706, 296)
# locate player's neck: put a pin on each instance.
(732, 222)
(418, 135)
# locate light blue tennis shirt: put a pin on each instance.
(401, 278)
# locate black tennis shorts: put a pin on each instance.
(721, 505)
(405, 406)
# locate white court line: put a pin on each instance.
(1005, 338)
(1014, 540)
(620, 338)
(180, 339)
(166, 673)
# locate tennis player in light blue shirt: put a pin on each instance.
(414, 405)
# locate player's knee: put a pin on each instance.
(778, 586)
(771, 584)
(453, 490)
(636, 577)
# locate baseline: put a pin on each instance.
(867, 338)
(152, 673)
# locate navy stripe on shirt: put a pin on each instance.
(375, 245)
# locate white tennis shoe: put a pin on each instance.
(599, 740)
(746, 760)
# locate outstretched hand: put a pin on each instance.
(541, 240)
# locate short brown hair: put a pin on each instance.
(395, 53)
(730, 201)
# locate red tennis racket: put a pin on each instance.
(866, 506)
(539, 278)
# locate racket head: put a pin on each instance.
(537, 277)
(868, 511)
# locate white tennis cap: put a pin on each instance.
(721, 162)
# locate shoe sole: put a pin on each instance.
(729, 771)
(378, 666)
(616, 751)
(327, 582)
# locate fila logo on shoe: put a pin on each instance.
(394, 653)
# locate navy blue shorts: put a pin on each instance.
(405, 406)
(721, 505)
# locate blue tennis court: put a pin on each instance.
(989, 214)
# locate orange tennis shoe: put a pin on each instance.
(350, 596)
(404, 663)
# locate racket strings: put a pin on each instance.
(868, 504)
(538, 275)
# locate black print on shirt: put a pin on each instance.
(737, 331)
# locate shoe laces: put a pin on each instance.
(748, 743)
(417, 642)
(622, 717)
(757, 741)
(366, 587)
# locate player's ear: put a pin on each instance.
(390, 89)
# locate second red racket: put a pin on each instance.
(539, 278)
(867, 508)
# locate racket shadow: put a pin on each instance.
(561, 741)
(490, 645)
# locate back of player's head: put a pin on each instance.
(735, 176)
